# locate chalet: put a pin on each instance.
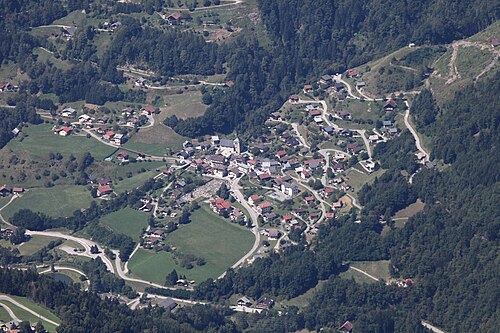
(264, 207)
(252, 200)
(216, 160)
(360, 84)
(275, 116)
(373, 138)
(243, 301)
(269, 217)
(387, 123)
(140, 82)
(294, 99)
(17, 190)
(105, 181)
(289, 189)
(4, 190)
(314, 215)
(393, 130)
(339, 167)
(220, 206)
(122, 157)
(390, 105)
(103, 190)
(346, 327)
(341, 114)
(16, 131)
(68, 113)
(264, 177)
(338, 87)
(346, 133)
(314, 113)
(118, 139)
(237, 215)
(342, 95)
(326, 79)
(174, 18)
(328, 191)
(229, 84)
(313, 164)
(286, 218)
(309, 199)
(352, 73)
(308, 89)
(327, 129)
(168, 304)
(84, 118)
(318, 119)
(337, 205)
(69, 31)
(265, 304)
(304, 174)
(108, 135)
(274, 234)
(148, 110)
(495, 42)
(330, 215)
(353, 148)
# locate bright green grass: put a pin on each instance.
(34, 244)
(357, 276)
(41, 141)
(134, 181)
(378, 269)
(4, 315)
(25, 315)
(55, 201)
(218, 241)
(127, 221)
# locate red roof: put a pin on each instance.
(287, 217)
(255, 197)
(314, 113)
(67, 129)
(307, 87)
(330, 215)
(176, 15)
(263, 176)
(346, 327)
(391, 102)
(149, 109)
(310, 198)
(229, 84)
(104, 189)
(265, 204)
(281, 153)
(2, 85)
(329, 189)
(110, 133)
(318, 160)
(223, 204)
(4, 187)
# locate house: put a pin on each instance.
(289, 189)
(252, 200)
(353, 148)
(495, 42)
(346, 327)
(229, 84)
(122, 157)
(84, 118)
(17, 190)
(308, 89)
(294, 99)
(304, 174)
(220, 206)
(68, 113)
(318, 120)
(344, 115)
(314, 113)
(108, 135)
(168, 304)
(286, 218)
(274, 234)
(327, 129)
(393, 130)
(387, 123)
(118, 139)
(174, 18)
(264, 177)
(352, 73)
(309, 199)
(326, 79)
(103, 190)
(4, 190)
(330, 215)
(69, 31)
(268, 217)
(360, 84)
(243, 301)
(373, 138)
(390, 105)
(265, 304)
(338, 87)
(264, 207)
(216, 160)
(148, 110)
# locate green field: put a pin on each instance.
(34, 244)
(378, 269)
(25, 315)
(55, 201)
(134, 181)
(41, 141)
(4, 315)
(127, 221)
(219, 242)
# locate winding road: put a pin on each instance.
(414, 133)
(16, 303)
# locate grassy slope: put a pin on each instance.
(219, 242)
(24, 315)
(127, 221)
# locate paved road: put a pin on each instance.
(236, 190)
(10, 312)
(431, 327)
(87, 244)
(63, 268)
(13, 301)
(414, 133)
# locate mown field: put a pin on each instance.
(218, 241)
(127, 221)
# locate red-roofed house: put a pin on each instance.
(148, 110)
(264, 207)
(220, 206)
(308, 89)
(346, 327)
(109, 135)
(254, 199)
(330, 215)
(309, 199)
(103, 190)
(352, 73)
(4, 190)
(229, 84)
(495, 42)
(264, 176)
(390, 105)
(286, 218)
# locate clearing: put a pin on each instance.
(127, 221)
(208, 236)
(378, 269)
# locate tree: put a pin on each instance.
(171, 278)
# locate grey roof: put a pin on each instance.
(168, 304)
(226, 143)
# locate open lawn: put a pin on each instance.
(24, 315)
(357, 179)
(185, 105)
(208, 236)
(55, 201)
(45, 56)
(304, 299)
(127, 221)
(4, 316)
(471, 61)
(378, 269)
(134, 181)
(34, 244)
(39, 141)
(357, 276)
(155, 140)
(411, 210)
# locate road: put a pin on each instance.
(16, 303)
(236, 190)
(8, 203)
(362, 133)
(87, 244)
(431, 327)
(338, 78)
(10, 312)
(354, 202)
(63, 268)
(414, 133)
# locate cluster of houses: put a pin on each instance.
(6, 190)
(13, 327)
(226, 209)
(264, 303)
(8, 87)
(103, 185)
